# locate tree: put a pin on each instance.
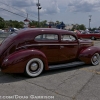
(82, 27)
(78, 27)
(11, 23)
(35, 23)
(2, 23)
(57, 22)
(43, 23)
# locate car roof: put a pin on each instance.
(45, 30)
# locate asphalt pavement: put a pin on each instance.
(78, 83)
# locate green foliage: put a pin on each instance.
(78, 27)
(57, 22)
(43, 23)
(35, 23)
(2, 23)
(82, 27)
(93, 29)
(10, 23)
(17, 24)
(14, 23)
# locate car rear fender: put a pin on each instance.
(86, 54)
(16, 62)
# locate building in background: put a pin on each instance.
(69, 27)
(26, 23)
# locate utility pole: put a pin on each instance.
(27, 15)
(39, 7)
(89, 20)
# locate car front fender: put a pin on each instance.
(16, 62)
(87, 53)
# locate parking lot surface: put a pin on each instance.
(78, 83)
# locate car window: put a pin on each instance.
(47, 37)
(67, 38)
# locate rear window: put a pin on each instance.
(47, 37)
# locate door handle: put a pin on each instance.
(61, 47)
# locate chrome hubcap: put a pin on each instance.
(34, 66)
(95, 58)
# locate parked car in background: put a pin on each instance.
(1, 31)
(33, 50)
(88, 35)
(13, 29)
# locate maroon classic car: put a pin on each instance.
(87, 35)
(33, 50)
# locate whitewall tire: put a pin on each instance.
(95, 60)
(34, 67)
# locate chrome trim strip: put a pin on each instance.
(50, 44)
(75, 44)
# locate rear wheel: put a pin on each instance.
(93, 38)
(95, 59)
(34, 67)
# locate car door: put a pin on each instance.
(48, 44)
(68, 48)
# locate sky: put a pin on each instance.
(68, 11)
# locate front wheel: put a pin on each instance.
(95, 59)
(34, 67)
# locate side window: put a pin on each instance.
(47, 37)
(67, 38)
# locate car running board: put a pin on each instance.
(72, 64)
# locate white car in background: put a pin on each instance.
(1, 31)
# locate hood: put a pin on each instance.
(86, 42)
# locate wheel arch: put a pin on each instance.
(87, 53)
(16, 62)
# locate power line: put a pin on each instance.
(13, 12)
(16, 9)
(11, 6)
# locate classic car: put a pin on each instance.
(33, 50)
(87, 35)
